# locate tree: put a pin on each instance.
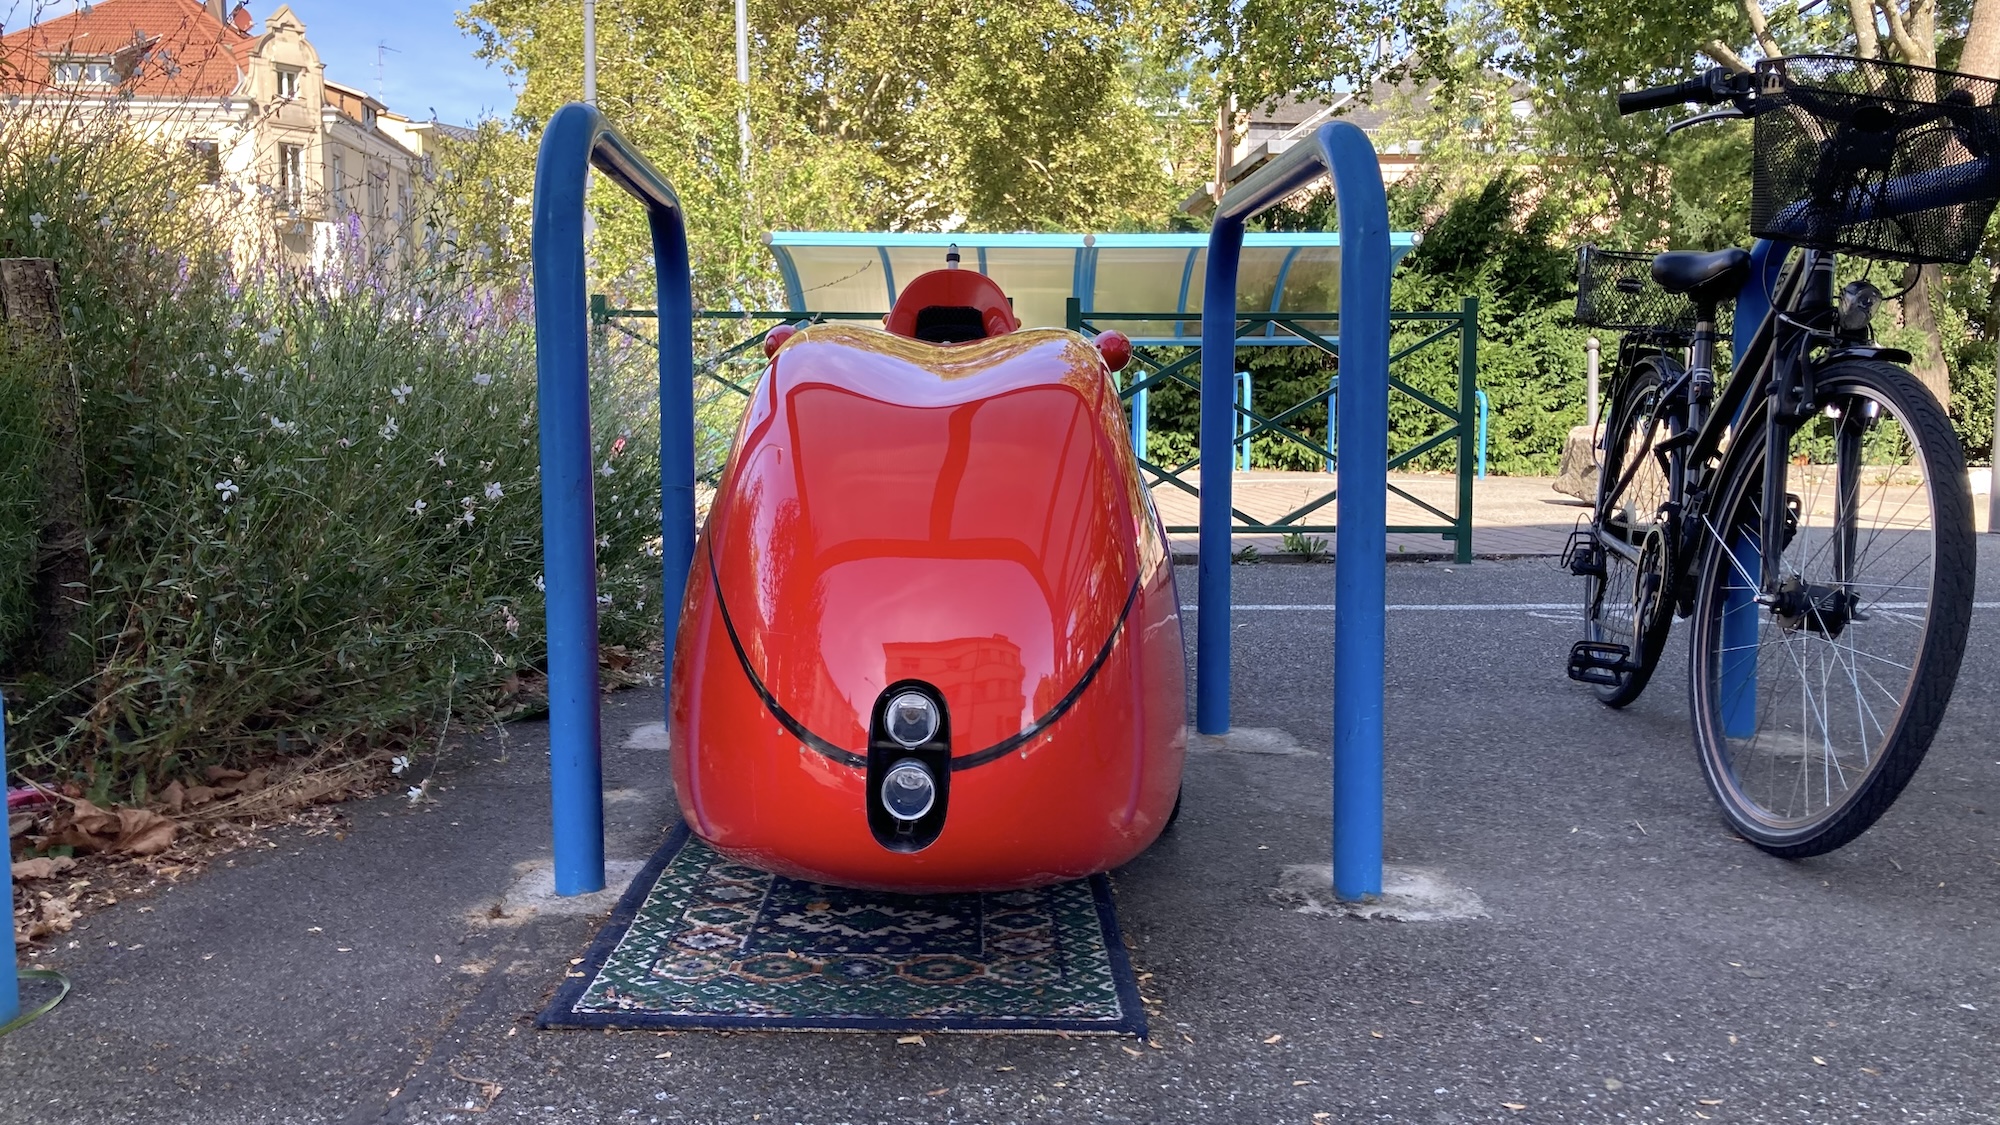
(879, 115)
(1588, 51)
(1258, 52)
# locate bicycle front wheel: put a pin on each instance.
(1814, 705)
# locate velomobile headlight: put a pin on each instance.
(908, 790)
(912, 719)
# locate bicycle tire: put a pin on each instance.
(1736, 744)
(1632, 429)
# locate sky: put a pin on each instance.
(428, 64)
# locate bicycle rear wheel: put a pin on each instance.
(1811, 714)
(1625, 604)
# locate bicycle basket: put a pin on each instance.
(1615, 290)
(1878, 159)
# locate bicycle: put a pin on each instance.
(1818, 671)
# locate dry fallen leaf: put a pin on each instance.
(912, 1040)
(1817, 1061)
(1376, 1034)
(664, 1055)
(1274, 1038)
(42, 867)
(1515, 1106)
(1302, 1082)
(1709, 1101)
(1134, 1053)
(1003, 1068)
(1871, 1071)
(936, 1092)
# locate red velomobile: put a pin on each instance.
(931, 640)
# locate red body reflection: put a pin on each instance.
(967, 517)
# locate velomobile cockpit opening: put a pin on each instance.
(951, 306)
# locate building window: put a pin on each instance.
(291, 173)
(208, 159)
(339, 170)
(288, 83)
(368, 117)
(84, 72)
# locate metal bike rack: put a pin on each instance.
(1343, 152)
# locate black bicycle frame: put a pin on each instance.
(1775, 369)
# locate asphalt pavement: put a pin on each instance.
(1636, 963)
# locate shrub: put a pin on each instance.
(313, 495)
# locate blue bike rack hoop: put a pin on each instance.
(1343, 152)
(577, 139)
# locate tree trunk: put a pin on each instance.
(1982, 41)
(1926, 284)
(31, 324)
(1225, 139)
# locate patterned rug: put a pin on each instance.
(701, 942)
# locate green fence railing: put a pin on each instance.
(1436, 427)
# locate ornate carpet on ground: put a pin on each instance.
(699, 941)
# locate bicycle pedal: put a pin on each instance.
(1599, 662)
(1582, 556)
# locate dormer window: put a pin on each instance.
(368, 117)
(288, 83)
(83, 72)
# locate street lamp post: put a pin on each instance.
(590, 50)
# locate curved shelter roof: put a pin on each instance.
(851, 271)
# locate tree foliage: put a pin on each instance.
(880, 115)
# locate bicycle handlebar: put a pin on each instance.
(1711, 87)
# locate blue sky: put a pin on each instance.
(429, 65)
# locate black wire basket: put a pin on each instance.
(1877, 159)
(1615, 290)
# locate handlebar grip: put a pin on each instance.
(1700, 88)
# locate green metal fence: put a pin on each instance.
(1415, 337)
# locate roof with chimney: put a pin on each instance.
(154, 48)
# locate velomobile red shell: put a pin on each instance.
(968, 517)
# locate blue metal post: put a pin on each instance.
(1218, 387)
(1332, 423)
(1361, 526)
(576, 139)
(1736, 671)
(1362, 436)
(1481, 396)
(1139, 423)
(10, 984)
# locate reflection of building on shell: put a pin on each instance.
(986, 671)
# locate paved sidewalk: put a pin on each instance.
(1637, 963)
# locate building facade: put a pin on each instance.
(323, 168)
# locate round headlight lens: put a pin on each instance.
(908, 790)
(911, 719)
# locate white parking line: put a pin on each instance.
(1497, 607)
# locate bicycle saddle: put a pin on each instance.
(1708, 278)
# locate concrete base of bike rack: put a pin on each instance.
(1409, 894)
(1246, 740)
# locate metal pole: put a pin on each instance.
(742, 88)
(1361, 528)
(1590, 347)
(10, 985)
(590, 52)
(1468, 402)
(1217, 439)
(576, 139)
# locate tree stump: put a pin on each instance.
(31, 326)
